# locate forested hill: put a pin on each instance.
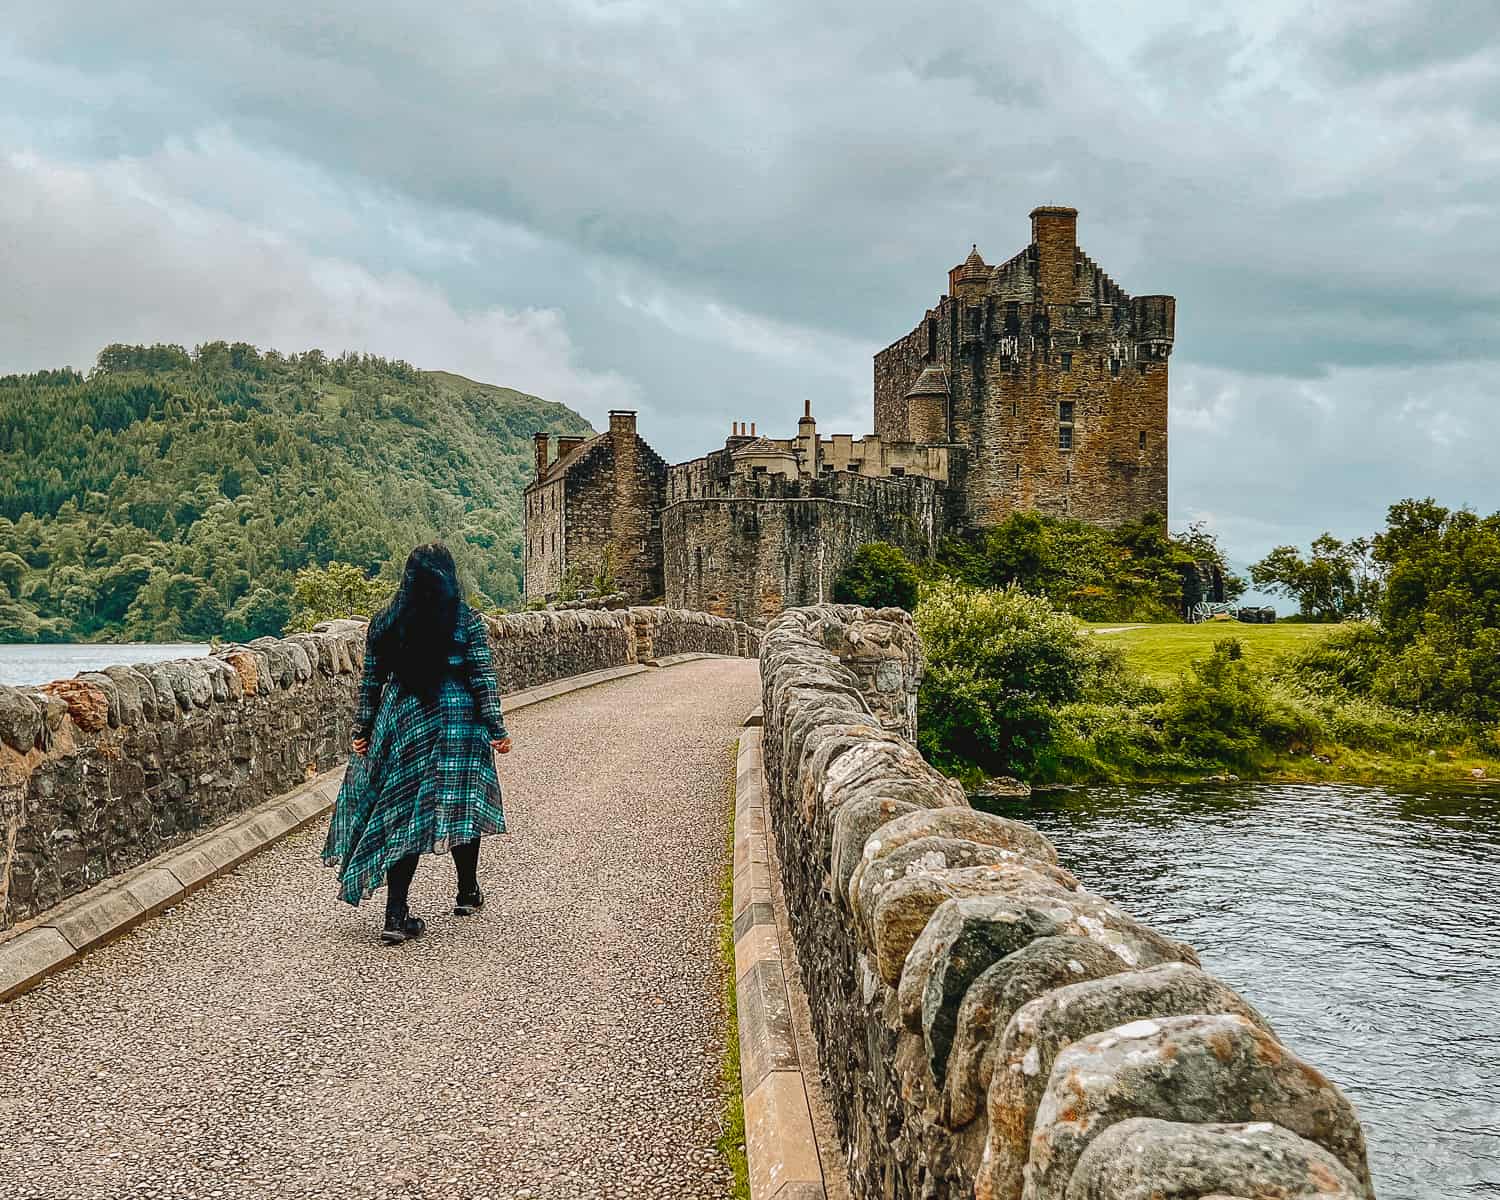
(174, 495)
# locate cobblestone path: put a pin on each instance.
(259, 1041)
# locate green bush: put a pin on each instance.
(1115, 740)
(1344, 663)
(1222, 711)
(1000, 663)
(880, 576)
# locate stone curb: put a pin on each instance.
(60, 937)
(671, 660)
(780, 1144)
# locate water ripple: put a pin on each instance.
(1360, 921)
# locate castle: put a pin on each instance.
(1034, 385)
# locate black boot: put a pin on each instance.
(401, 926)
(468, 902)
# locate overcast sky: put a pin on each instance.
(714, 211)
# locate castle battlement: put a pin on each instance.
(1035, 385)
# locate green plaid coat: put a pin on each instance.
(428, 781)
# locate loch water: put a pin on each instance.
(1362, 922)
(29, 664)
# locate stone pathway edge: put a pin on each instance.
(61, 937)
(780, 1142)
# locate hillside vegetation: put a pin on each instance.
(172, 495)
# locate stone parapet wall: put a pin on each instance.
(986, 1026)
(103, 772)
(538, 647)
(663, 632)
(771, 543)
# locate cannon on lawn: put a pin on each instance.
(1208, 610)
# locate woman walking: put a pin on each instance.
(422, 778)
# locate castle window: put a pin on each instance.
(897, 472)
(1067, 361)
(1141, 367)
(1114, 367)
(1012, 316)
(1143, 439)
(1084, 339)
(1065, 411)
(1068, 475)
(1064, 437)
(1015, 408)
(1018, 470)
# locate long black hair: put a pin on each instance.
(414, 633)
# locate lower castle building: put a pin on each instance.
(1036, 385)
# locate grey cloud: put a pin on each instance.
(723, 204)
(1398, 37)
(787, 159)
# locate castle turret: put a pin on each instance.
(1054, 232)
(970, 280)
(807, 440)
(927, 407)
(1155, 321)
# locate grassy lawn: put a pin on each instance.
(1162, 652)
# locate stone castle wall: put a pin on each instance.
(603, 509)
(772, 543)
(986, 1027)
(1010, 366)
(103, 772)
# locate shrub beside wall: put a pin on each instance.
(986, 1026)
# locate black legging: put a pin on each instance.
(398, 878)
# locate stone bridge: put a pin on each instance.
(930, 1005)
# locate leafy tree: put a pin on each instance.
(337, 590)
(1337, 581)
(261, 613)
(119, 585)
(879, 576)
(1132, 572)
(12, 571)
(1440, 610)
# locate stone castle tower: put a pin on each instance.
(1035, 385)
(1046, 376)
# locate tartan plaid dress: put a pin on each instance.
(428, 781)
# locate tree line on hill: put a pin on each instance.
(171, 495)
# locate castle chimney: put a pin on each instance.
(752, 428)
(539, 448)
(621, 423)
(1054, 231)
(807, 440)
(566, 446)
